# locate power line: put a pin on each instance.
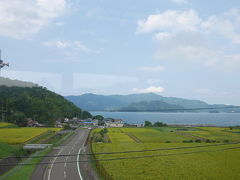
(121, 158)
(126, 152)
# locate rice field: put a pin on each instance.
(22, 135)
(208, 162)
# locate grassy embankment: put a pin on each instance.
(25, 172)
(209, 162)
(13, 138)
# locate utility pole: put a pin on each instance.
(2, 64)
(3, 113)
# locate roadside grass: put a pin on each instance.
(212, 162)
(6, 150)
(7, 125)
(22, 135)
(25, 172)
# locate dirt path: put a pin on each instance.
(191, 136)
(133, 137)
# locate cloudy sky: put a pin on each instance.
(181, 48)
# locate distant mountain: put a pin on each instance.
(93, 102)
(141, 102)
(15, 83)
(151, 106)
(186, 103)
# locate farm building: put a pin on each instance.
(113, 122)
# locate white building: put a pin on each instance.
(113, 122)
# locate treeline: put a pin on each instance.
(156, 124)
(38, 103)
(151, 106)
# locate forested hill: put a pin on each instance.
(37, 103)
(151, 106)
(10, 83)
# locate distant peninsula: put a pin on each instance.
(145, 102)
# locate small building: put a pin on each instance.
(89, 122)
(113, 122)
(33, 123)
(59, 124)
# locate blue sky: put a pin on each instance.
(181, 48)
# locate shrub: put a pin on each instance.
(198, 141)
(226, 141)
(188, 141)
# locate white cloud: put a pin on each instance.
(226, 24)
(170, 20)
(70, 45)
(162, 36)
(184, 35)
(151, 89)
(180, 1)
(23, 18)
(152, 68)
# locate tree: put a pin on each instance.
(98, 117)
(20, 119)
(86, 114)
(147, 124)
(159, 124)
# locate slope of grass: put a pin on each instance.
(7, 125)
(25, 172)
(6, 150)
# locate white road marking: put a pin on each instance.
(65, 164)
(66, 158)
(50, 170)
(69, 152)
(65, 176)
(78, 165)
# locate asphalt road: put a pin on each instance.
(65, 170)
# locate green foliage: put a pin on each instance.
(20, 152)
(98, 117)
(86, 114)
(159, 124)
(37, 103)
(147, 124)
(19, 118)
(103, 132)
(66, 127)
(151, 106)
(6, 150)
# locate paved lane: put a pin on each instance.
(67, 171)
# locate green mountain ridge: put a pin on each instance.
(151, 106)
(37, 103)
(16, 83)
(94, 102)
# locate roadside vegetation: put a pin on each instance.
(207, 157)
(25, 172)
(22, 135)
